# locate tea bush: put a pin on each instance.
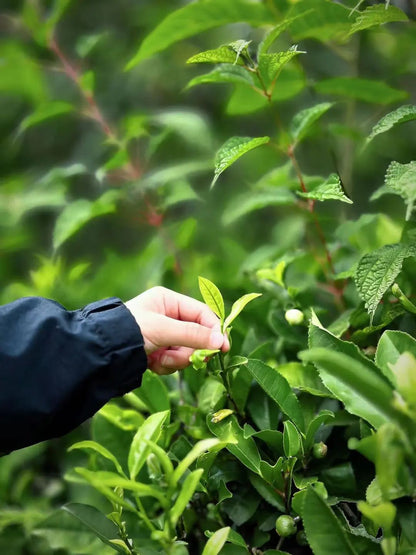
(302, 438)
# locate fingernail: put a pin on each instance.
(216, 339)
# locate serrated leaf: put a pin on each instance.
(304, 120)
(97, 448)
(216, 541)
(45, 112)
(224, 54)
(377, 271)
(232, 150)
(224, 73)
(367, 90)
(200, 16)
(331, 189)
(278, 389)
(401, 180)
(270, 65)
(318, 19)
(401, 115)
(238, 306)
(374, 16)
(324, 531)
(78, 213)
(274, 34)
(212, 297)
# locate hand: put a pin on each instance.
(173, 326)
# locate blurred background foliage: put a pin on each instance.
(105, 173)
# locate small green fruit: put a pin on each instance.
(320, 450)
(285, 526)
(294, 317)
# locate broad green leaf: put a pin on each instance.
(292, 441)
(382, 515)
(163, 458)
(274, 34)
(331, 189)
(270, 65)
(366, 90)
(216, 541)
(303, 121)
(401, 115)
(322, 418)
(125, 419)
(224, 73)
(391, 346)
(322, 20)
(225, 54)
(188, 489)
(171, 174)
(197, 450)
(153, 392)
(232, 150)
(304, 378)
(97, 448)
(256, 200)
(238, 306)
(400, 180)
(352, 381)
(81, 211)
(211, 396)
(324, 531)
(77, 528)
(404, 372)
(45, 112)
(212, 297)
(139, 450)
(374, 16)
(197, 17)
(245, 449)
(278, 389)
(268, 492)
(390, 455)
(377, 271)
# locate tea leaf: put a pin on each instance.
(216, 541)
(292, 441)
(318, 19)
(194, 453)
(401, 115)
(392, 344)
(323, 530)
(377, 271)
(212, 297)
(377, 15)
(270, 65)
(322, 418)
(232, 150)
(331, 189)
(153, 392)
(188, 489)
(45, 112)
(223, 54)
(366, 90)
(278, 389)
(304, 120)
(304, 378)
(400, 180)
(224, 73)
(196, 17)
(97, 448)
(238, 306)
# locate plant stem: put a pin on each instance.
(226, 381)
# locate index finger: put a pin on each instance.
(188, 309)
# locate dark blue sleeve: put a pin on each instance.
(58, 367)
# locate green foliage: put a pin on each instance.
(307, 424)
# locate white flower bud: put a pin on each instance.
(294, 317)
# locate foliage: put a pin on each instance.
(303, 436)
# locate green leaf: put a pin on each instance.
(322, 20)
(45, 112)
(232, 150)
(216, 541)
(292, 441)
(304, 378)
(278, 389)
(268, 492)
(197, 450)
(322, 418)
(244, 449)
(324, 531)
(211, 396)
(401, 115)
(377, 271)
(153, 392)
(404, 372)
(331, 189)
(256, 200)
(400, 180)
(238, 306)
(224, 73)
(194, 18)
(188, 489)
(382, 515)
(270, 65)
(391, 346)
(97, 448)
(366, 90)
(377, 15)
(139, 450)
(212, 297)
(80, 212)
(274, 34)
(199, 357)
(225, 54)
(303, 121)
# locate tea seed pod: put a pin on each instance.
(285, 526)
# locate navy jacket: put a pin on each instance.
(58, 367)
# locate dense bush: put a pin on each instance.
(303, 437)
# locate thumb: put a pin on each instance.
(161, 331)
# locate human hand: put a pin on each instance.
(173, 326)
